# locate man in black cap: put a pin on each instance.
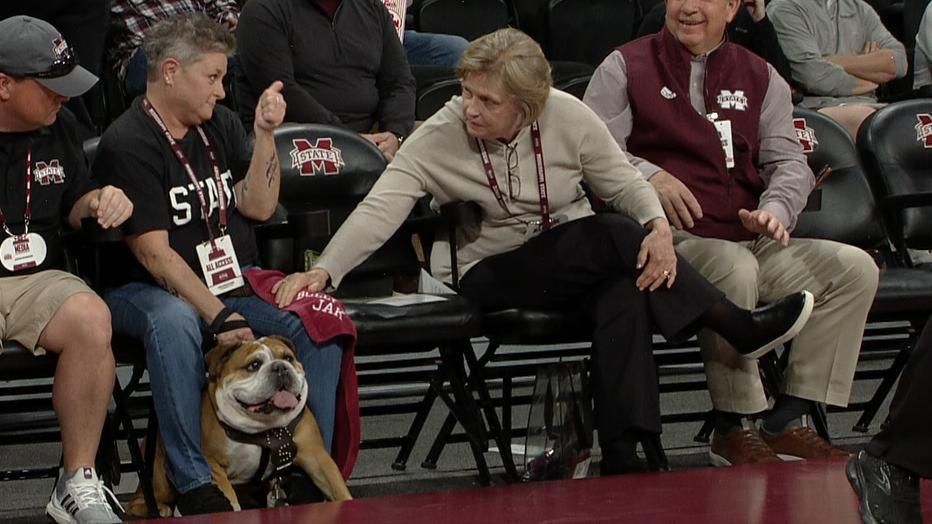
(46, 184)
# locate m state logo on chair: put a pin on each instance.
(924, 130)
(319, 157)
(805, 135)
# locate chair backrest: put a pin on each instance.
(575, 86)
(843, 208)
(326, 172)
(588, 30)
(532, 19)
(896, 145)
(90, 149)
(466, 18)
(433, 97)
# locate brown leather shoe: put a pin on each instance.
(740, 447)
(802, 443)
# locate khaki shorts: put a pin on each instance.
(28, 302)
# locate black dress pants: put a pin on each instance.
(589, 265)
(906, 440)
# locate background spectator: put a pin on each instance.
(839, 53)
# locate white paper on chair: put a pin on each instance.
(426, 283)
(406, 299)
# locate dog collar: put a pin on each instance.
(278, 446)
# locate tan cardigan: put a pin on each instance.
(442, 160)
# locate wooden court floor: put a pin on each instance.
(787, 493)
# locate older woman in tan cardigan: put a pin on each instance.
(521, 149)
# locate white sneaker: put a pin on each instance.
(82, 499)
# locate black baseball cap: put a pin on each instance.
(34, 48)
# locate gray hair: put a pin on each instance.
(517, 61)
(185, 37)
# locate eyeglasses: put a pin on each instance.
(514, 181)
(60, 67)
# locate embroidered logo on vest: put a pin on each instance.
(50, 173)
(319, 157)
(732, 100)
(924, 130)
(667, 93)
(805, 135)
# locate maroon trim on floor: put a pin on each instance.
(792, 492)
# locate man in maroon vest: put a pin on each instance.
(710, 125)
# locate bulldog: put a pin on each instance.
(256, 397)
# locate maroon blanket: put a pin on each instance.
(324, 318)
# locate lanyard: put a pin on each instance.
(546, 222)
(176, 148)
(27, 214)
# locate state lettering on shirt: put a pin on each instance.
(184, 198)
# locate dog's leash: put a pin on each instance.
(278, 448)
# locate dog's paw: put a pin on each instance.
(165, 511)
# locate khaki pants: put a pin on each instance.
(843, 280)
(28, 302)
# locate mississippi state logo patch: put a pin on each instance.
(732, 100)
(49, 173)
(924, 130)
(319, 157)
(805, 135)
(60, 47)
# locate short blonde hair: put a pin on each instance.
(517, 61)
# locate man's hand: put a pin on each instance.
(270, 111)
(763, 223)
(756, 8)
(678, 201)
(657, 259)
(236, 335)
(386, 142)
(110, 206)
(870, 47)
(288, 288)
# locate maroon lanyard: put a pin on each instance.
(546, 223)
(176, 148)
(27, 214)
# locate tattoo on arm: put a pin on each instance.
(270, 168)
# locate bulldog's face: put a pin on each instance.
(258, 385)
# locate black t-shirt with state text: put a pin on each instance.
(59, 179)
(135, 156)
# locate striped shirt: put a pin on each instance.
(129, 20)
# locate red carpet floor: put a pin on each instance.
(802, 492)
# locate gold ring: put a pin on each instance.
(666, 274)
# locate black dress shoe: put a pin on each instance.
(777, 323)
(887, 494)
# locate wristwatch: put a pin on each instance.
(399, 136)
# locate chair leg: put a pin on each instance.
(656, 456)
(138, 461)
(477, 382)
(414, 431)
(440, 441)
(883, 389)
(708, 425)
(465, 408)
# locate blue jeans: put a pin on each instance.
(434, 48)
(173, 335)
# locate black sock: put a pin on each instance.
(733, 323)
(726, 422)
(786, 409)
(620, 455)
